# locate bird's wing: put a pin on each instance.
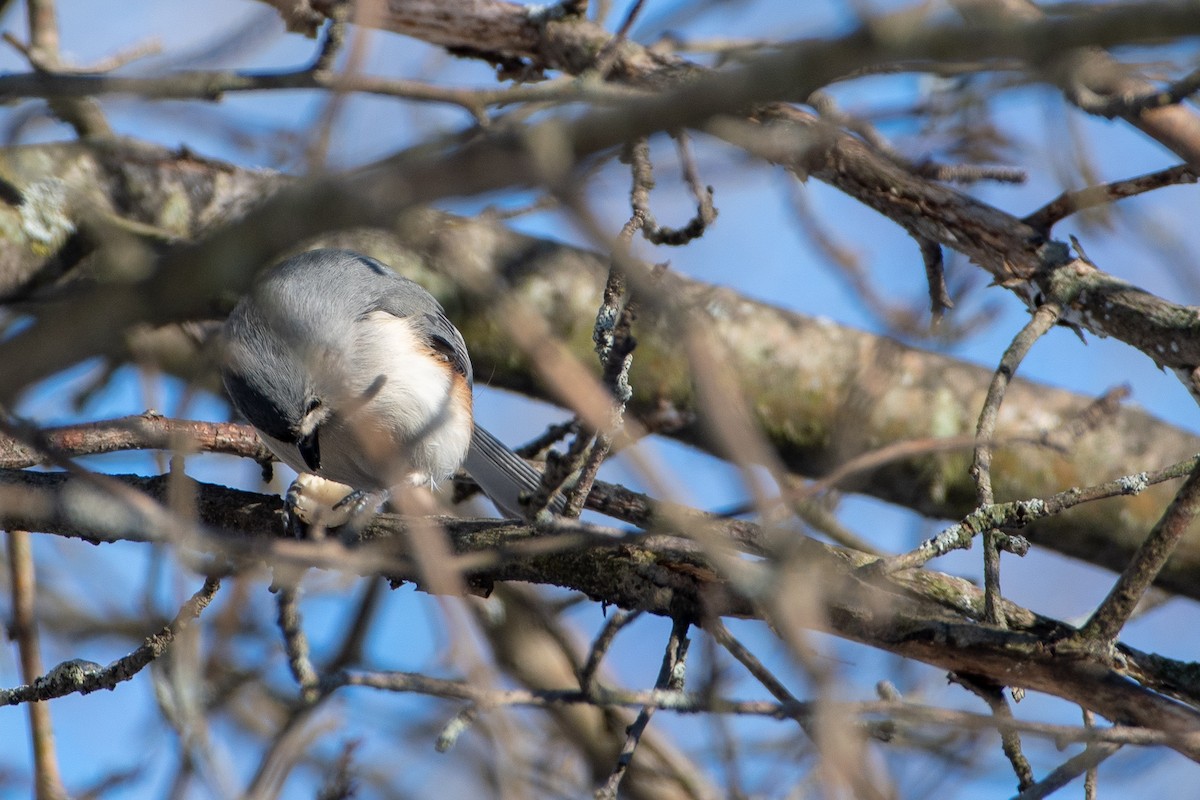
(503, 475)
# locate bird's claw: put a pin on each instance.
(314, 504)
(356, 504)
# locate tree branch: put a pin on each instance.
(910, 615)
(854, 370)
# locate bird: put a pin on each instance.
(354, 377)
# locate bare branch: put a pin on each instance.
(670, 678)
(82, 677)
(143, 432)
(296, 643)
(23, 630)
(1106, 622)
(904, 620)
(1072, 768)
(981, 467)
(1069, 203)
(587, 676)
(688, 703)
(993, 695)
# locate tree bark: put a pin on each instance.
(821, 393)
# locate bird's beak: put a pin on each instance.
(310, 450)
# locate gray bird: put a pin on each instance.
(354, 374)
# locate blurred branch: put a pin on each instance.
(96, 265)
(534, 647)
(613, 626)
(1069, 203)
(1012, 252)
(993, 695)
(1090, 76)
(716, 629)
(690, 703)
(296, 643)
(1097, 82)
(212, 86)
(147, 431)
(1132, 105)
(1072, 768)
(571, 43)
(670, 678)
(1001, 244)
(853, 370)
(83, 114)
(23, 630)
(82, 677)
(926, 616)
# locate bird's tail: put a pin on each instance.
(503, 475)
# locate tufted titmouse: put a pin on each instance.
(354, 374)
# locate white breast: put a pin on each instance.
(408, 418)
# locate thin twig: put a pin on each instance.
(83, 114)
(614, 343)
(756, 668)
(637, 155)
(613, 626)
(212, 85)
(350, 651)
(296, 644)
(81, 677)
(1106, 622)
(670, 678)
(1084, 763)
(1010, 740)
(969, 173)
(340, 783)
(561, 470)
(847, 265)
(706, 212)
(23, 630)
(824, 104)
(981, 467)
(935, 275)
(317, 148)
(750, 661)
(1019, 513)
(465, 486)
(1068, 203)
(700, 703)
(1091, 778)
(1131, 106)
(548, 438)
(291, 742)
(608, 54)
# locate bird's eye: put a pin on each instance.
(313, 405)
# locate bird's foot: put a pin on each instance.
(359, 506)
(314, 504)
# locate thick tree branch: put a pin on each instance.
(147, 431)
(910, 615)
(1097, 82)
(1017, 255)
(862, 386)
